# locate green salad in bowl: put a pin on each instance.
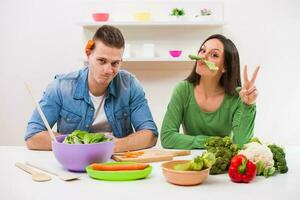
(83, 137)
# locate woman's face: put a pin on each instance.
(213, 51)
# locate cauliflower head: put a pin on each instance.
(258, 152)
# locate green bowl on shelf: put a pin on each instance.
(118, 175)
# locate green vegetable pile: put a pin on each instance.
(279, 158)
(83, 137)
(223, 149)
(206, 160)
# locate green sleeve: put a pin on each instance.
(170, 136)
(243, 123)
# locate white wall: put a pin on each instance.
(41, 38)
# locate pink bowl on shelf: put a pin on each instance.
(100, 17)
(175, 53)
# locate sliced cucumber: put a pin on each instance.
(209, 64)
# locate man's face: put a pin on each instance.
(104, 63)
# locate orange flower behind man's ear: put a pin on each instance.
(89, 46)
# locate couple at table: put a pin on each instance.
(102, 98)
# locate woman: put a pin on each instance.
(211, 103)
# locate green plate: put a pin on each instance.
(118, 175)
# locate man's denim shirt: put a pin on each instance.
(66, 102)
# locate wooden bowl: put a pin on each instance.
(183, 177)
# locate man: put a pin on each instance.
(98, 98)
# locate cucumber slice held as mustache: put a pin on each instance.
(209, 64)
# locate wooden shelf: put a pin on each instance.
(153, 23)
(157, 65)
(165, 35)
(157, 59)
(154, 64)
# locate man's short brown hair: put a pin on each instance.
(110, 36)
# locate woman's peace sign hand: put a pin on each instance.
(248, 93)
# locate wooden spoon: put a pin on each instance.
(36, 176)
(63, 176)
(37, 105)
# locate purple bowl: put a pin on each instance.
(75, 157)
(175, 53)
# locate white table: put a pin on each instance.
(16, 184)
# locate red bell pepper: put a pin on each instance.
(241, 170)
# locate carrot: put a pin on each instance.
(140, 153)
(89, 45)
(119, 167)
(134, 154)
(130, 156)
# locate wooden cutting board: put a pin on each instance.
(152, 155)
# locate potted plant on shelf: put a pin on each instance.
(205, 14)
(177, 13)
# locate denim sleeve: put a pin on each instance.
(50, 105)
(141, 117)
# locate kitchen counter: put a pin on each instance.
(17, 184)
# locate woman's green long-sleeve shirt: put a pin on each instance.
(232, 118)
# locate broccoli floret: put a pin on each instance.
(214, 141)
(283, 169)
(227, 141)
(219, 167)
(279, 158)
(206, 160)
(234, 149)
(223, 149)
(197, 163)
